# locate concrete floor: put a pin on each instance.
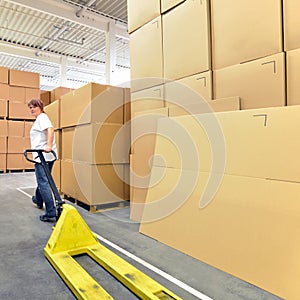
(26, 274)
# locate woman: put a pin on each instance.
(42, 137)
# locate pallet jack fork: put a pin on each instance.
(71, 236)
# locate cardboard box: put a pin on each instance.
(140, 171)
(92, 103)
(141, 12)
(17, 94)
(188, 51)
(19, 110)
(92, 184)
(143, 130)
(127, 105)
(3, 128)
(3, 144)
(4, 75)
(45, 97)
(31, 94)
(96, 143)
(291, 24)
(17, 161)
(242, 231)
(24, 79)
(259, 83)
(3, 108)
(4, 91)
(27, 128)
(53, 112)
(18, 144)
(16, 128)
(56, 173)
(56, 93)
(218, 105)
(252, 31)
(168, 4)
(188, 90)
(58, 141)
(2, 162)
(146, 61)
(147, 99)
(255, 143)
(292, 76)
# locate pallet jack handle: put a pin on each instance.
(58, 201)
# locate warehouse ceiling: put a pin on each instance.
(69, 42)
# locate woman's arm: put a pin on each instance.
(50, 138)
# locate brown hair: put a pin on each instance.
(37, 103)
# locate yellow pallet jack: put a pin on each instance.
(71, 236)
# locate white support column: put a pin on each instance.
(110, 53)
(63, 71)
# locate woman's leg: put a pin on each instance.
(44, 189)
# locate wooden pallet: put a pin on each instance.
(94, 208)
(18, 170)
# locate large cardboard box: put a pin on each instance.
(15, 161)
(144, 128)
(218, 105)
(56, 173)
(3, 128)
(92, 184)
(168, 4)
(141, 12)
(45, 97)
(31, 93)
(16, 128)
(27, 128)
(53, 112)
(3, 144)
(140, 171)
(186, 40)
(127, 105)
(146, 61)
(189, 90)
(4, 91)
(58, 141)
(96, 143)
(259, 83)
(147, 99)
(254, 143)
(253, 30)
(291, 24)
(56, 93)
(24, 79)
(242, 231)
(3, 107)
(17, 94)
(4, 75)
(92, 103)
(17, 144)
(3, 161)
(19, 110)
(292, 76)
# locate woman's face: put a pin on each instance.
(35, 110)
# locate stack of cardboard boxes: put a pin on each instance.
(224, 187)
(95, 144)
(53, 99)
(17, 88)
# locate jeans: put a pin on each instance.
(43, 192)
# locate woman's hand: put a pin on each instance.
(48, 149)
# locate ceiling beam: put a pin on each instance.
(25, 52)
(61, 9)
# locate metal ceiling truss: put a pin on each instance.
(65, 35)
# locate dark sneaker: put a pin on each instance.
(46, 218)
(35, 202)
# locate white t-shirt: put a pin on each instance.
(38, 136)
